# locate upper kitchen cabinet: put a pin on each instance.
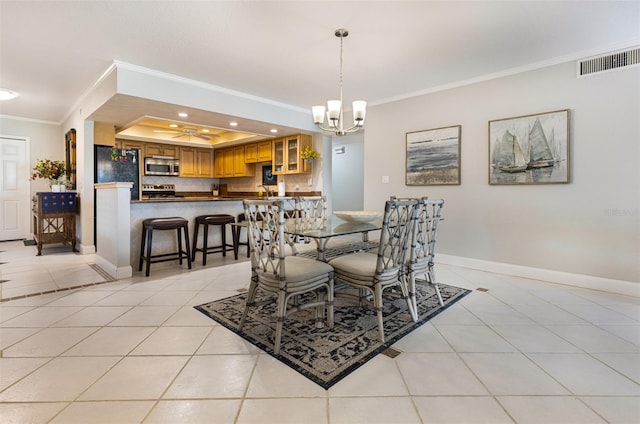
(104, 134)
(168, 150)
(286, 155)
(240, 167)
(230, 162)
(258, 152)
(196, 162)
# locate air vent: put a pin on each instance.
(609, 62)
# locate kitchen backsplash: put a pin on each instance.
(293, 183)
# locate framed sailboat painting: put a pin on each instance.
(530, 149)
(433, 157)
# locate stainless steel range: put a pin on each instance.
(159, 191)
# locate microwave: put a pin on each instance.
(161, 165)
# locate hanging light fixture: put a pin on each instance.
(335, 119)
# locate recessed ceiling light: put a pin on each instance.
(205, 130)
(7, 94)
(273, 130)
(183, 114)
(233, 123)
(173, 125)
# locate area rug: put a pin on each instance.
(325, 355)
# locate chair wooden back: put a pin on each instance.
(312, 207)
(398, 225)
(424, 244)
(265, 230)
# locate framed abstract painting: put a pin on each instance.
(433, 156)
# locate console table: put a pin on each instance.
(54, 218)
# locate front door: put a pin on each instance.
(14, 188)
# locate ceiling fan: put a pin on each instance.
(187, 132)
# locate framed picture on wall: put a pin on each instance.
(70, 156)
(268, 177)
(433, 156)
(530, 149)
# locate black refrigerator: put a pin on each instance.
(118, 165)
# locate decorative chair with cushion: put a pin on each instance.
(423, 247)
(374, 273)
(312, 211)
(285, 277)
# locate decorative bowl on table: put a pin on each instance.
(358, 216)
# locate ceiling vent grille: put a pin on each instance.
(609, 62)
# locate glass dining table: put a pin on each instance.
(321, 230)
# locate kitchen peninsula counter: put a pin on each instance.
(186, 207)
(231, 197)
(190, 206)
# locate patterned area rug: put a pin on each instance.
(325, 355)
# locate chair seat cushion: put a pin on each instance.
(359, 263)
(298, 269)
(361, 266)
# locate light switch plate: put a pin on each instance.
(385, 179)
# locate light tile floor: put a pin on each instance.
(135, 351)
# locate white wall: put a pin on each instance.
(348, 173)
(590, 226)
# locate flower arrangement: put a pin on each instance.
(52, 170)
(307, 153)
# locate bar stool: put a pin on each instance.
(216, 219)
(160, 224)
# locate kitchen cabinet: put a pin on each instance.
(196, 162)
(230, 162)
(218, 165)
(168, 150)
(258, 152)
(223, 163)
(251, 153)
(240, 167)
(286, 155)
(104, 134)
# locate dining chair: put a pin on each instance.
(373, 273)
(422, 251)
(285, 277)
(312, 206)
(311, 211)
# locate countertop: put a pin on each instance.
(193, 199)
(202, 197)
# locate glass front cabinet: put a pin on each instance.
(286, 155)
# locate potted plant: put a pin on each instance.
(52, 170)
(308, 154)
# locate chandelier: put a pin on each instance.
(335, 118)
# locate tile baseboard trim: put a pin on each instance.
(628, 288)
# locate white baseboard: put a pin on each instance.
(113, 270)
(86, 249)
(628, 288)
